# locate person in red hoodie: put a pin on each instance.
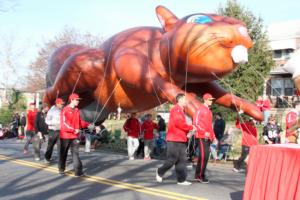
(30, 131)
(177, 135)
(147, 128)
(70, 124)
(249, 138)
(203, 122)
(132, 127)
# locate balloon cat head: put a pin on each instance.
(143, 67)
(206, 45)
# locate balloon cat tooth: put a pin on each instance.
(143, 67)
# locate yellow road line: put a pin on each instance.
(119, 184)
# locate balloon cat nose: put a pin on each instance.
(239, 54)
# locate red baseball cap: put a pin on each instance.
(59, 101)
(74, 96)
(207, 96)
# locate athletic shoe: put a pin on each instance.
(61, 173)
(147, 158)
(159, 179)
(37, 159)
(25, 151)
(202, 180)
(236, 170)
(184, 183)
(46, 161)
(131, 158)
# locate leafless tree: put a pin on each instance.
(36, 78)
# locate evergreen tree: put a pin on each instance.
(248, 80)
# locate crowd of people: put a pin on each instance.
(203, 137)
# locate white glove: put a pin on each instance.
(241, 112)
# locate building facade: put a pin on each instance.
(284, 40)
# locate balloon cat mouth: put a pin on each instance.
(239, 54)
(199, 48)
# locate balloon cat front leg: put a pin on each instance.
(225, 98)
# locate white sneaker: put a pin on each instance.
(131, 158)
(37, 159)
(158, 178)
(235, 170)
(184, 183)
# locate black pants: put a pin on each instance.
(53, 137)
(176, 155)
(65, 144)
(244, 154)
(204, 150)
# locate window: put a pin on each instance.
(282, 53)
(277, 54)
(282, 86)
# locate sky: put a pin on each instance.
(29, 23)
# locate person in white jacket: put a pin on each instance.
(53, 122)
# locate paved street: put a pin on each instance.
(109, 176)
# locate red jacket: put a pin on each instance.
(203, 121)
(177, 127)
(132, 127)
(249, 137)
(30, 119)
(290, 120)
(266, 105)
(260, 104)
(69, 122)
(147, 129)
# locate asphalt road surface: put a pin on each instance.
(108, 176)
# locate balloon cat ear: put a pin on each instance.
(166, 18)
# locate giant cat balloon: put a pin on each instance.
(143, 67)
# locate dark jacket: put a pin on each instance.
(219, 128)
(40, 124)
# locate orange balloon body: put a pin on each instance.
(143, 67)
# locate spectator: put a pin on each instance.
(160, 142)
(132, 127)
(249, 138)
(147, 128)
(266, 109)
(219, 126)
(41, 129)
(271, 131)
(30, 131)
(23, 124)
(177, 133)
(225, 143)
(15, 124)
(70, 125)
(53, 122)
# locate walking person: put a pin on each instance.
(41, 129)
(53, 122)
(203, 122)
(30, 131)
(249, 138)
(177, 135)
(147, 128)
(70, 124)
(132, 127)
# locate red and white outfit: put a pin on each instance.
(69, 122)
(203, 122)
(147, 130)
(132, 127)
